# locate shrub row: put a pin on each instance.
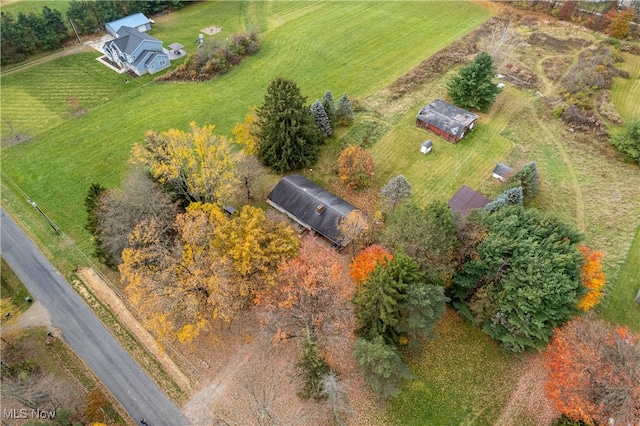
(214, 60)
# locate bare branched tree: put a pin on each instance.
(334, 390)
(501, 42)
(262, 395)
(119, 211)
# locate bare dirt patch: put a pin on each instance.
(554, 67)
(211, 30)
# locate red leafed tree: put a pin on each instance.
(594, 372)
(365, 262)
(592, 278)
(356, 167)
(313, 290)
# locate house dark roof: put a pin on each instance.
(311, 205)
(502, 170)
(135, 20)
(467, 199)
(447, 117)
(129, 39)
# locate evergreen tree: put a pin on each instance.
(527, 178)
(90, 205)
(421, 310)
(397, 190)
(312, 367)
(628, 142)
(523, 279)
(381, 365)
(289, 135)
(329, 106)
(472, 87)
(378, 304)
(55, 24)
(344, 111)
(428, 236)
(321, 118)
(82, 15)
(510, 197)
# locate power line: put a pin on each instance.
(90, 262)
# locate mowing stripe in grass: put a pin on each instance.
(368, 45)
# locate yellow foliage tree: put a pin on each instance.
(356, 167)
(255, 246)
(207, 272)
(198, 165)
(246, 133)
(592, 278)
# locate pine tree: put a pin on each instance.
(312, 367)
(524, 278)
(344, 111)
(289, 135)
(329, 106)
(472, 87)
(381, 365)
(527, 178)
(378, 304)
(510, 197)
(322, 118)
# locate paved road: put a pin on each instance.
(84, 333)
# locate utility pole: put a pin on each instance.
(74, 30)
(49, 221)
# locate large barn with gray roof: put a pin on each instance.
(311, 206)
(446, 120)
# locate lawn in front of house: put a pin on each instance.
(368, 46)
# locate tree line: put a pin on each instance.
(27, 34)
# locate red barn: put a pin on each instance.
(446, 120)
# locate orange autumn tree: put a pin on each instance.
(365, 262)
(355, 167)
(594, 372)
(312, 291)
(592, 278)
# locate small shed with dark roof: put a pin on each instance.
(426, 147)
(502, 172)
(466, 199)
(311, 206)
(446, 120)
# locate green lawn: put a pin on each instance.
(369, 44)
(35, 6)
(621, 307)
(13, 289)
(462, 379)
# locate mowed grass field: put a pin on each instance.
(355, 47)
(621, 307)
(34, 6)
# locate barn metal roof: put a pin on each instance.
(447, 117)
(467, 199)
(135, 20)
(300, 198)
